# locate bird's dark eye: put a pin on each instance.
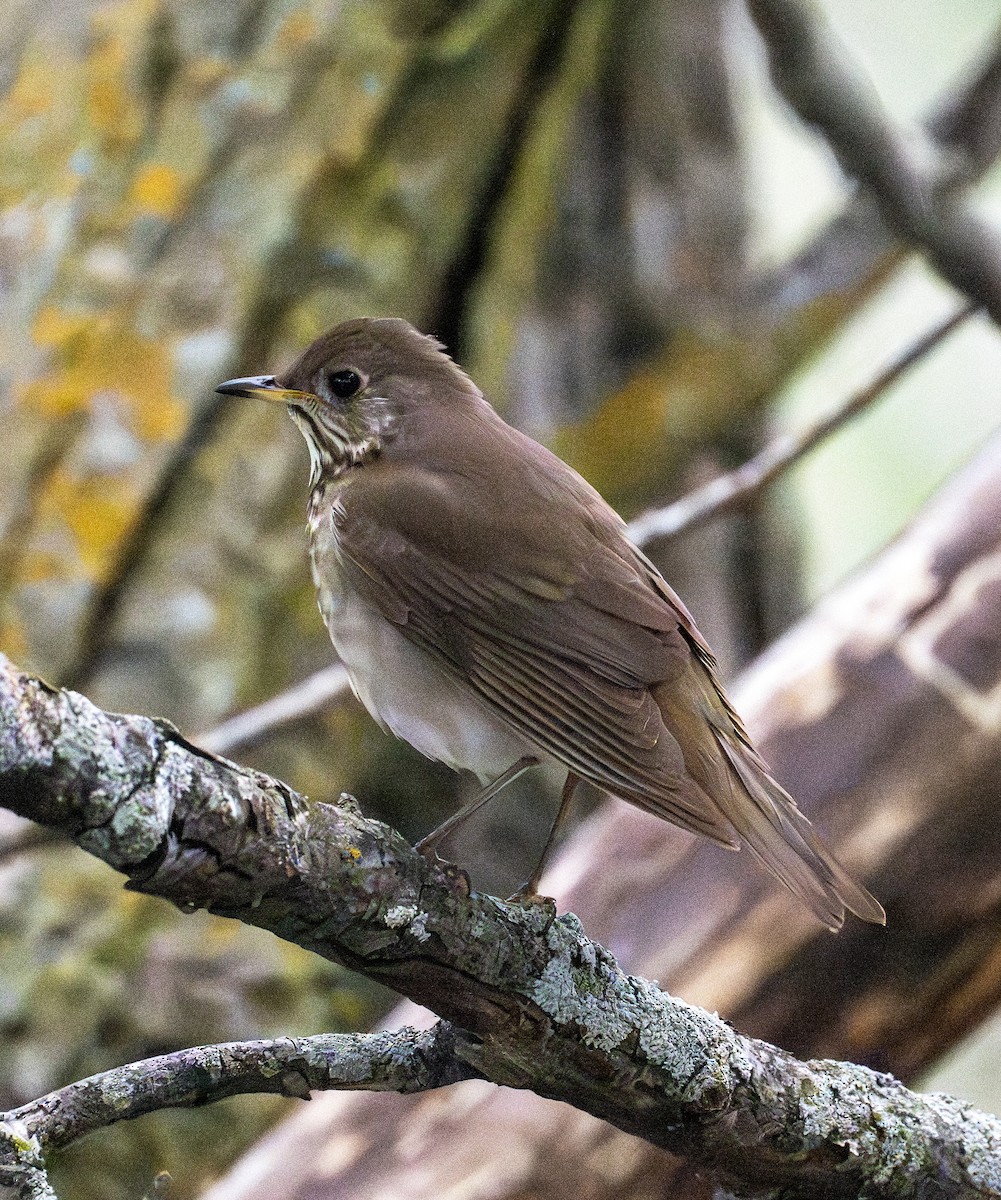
(344, 383)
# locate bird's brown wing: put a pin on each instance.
(565, 647)
(579, 644)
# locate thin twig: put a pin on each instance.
(308, 696)
(405, 1060)
(743, 484)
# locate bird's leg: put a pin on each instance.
(456, 819)
(531, 887)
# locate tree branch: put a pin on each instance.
(308, 696)
(815, 73)
(408, 1060)
(535, 1004)
(966, 131)
(968, 122)
(740, 486)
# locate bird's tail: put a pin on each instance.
(774, 829)
(720, 758)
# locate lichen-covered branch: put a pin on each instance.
(533, 1002)
(817, 76)
(407, 1060)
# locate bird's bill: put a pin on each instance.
(262, 387)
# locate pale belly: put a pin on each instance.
(408, 693)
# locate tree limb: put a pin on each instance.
(846, 252)
(407, 1060)
(738, 487)
(309, 695)
(815, 73)
(535, 1004)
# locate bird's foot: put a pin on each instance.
(528, 893)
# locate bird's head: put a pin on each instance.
(351, 390)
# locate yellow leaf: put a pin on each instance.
(13, 642)
(104, 355)
(32, 93)
(112, 108)
(296, 30)
(55, 327)
(157, 190)
(98, 510)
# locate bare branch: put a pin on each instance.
(814, 71)
(846, 252)
(969, 122)
(308, 696)
(407, 1060)
(742, 485)
(535, 1004)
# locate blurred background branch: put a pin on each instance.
(311, 695)
(815, 72)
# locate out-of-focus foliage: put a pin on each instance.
(567, 191)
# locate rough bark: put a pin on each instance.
(531, 1002)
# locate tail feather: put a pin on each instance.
(776, 832)
(725, 767)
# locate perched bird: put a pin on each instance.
(492, 612)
